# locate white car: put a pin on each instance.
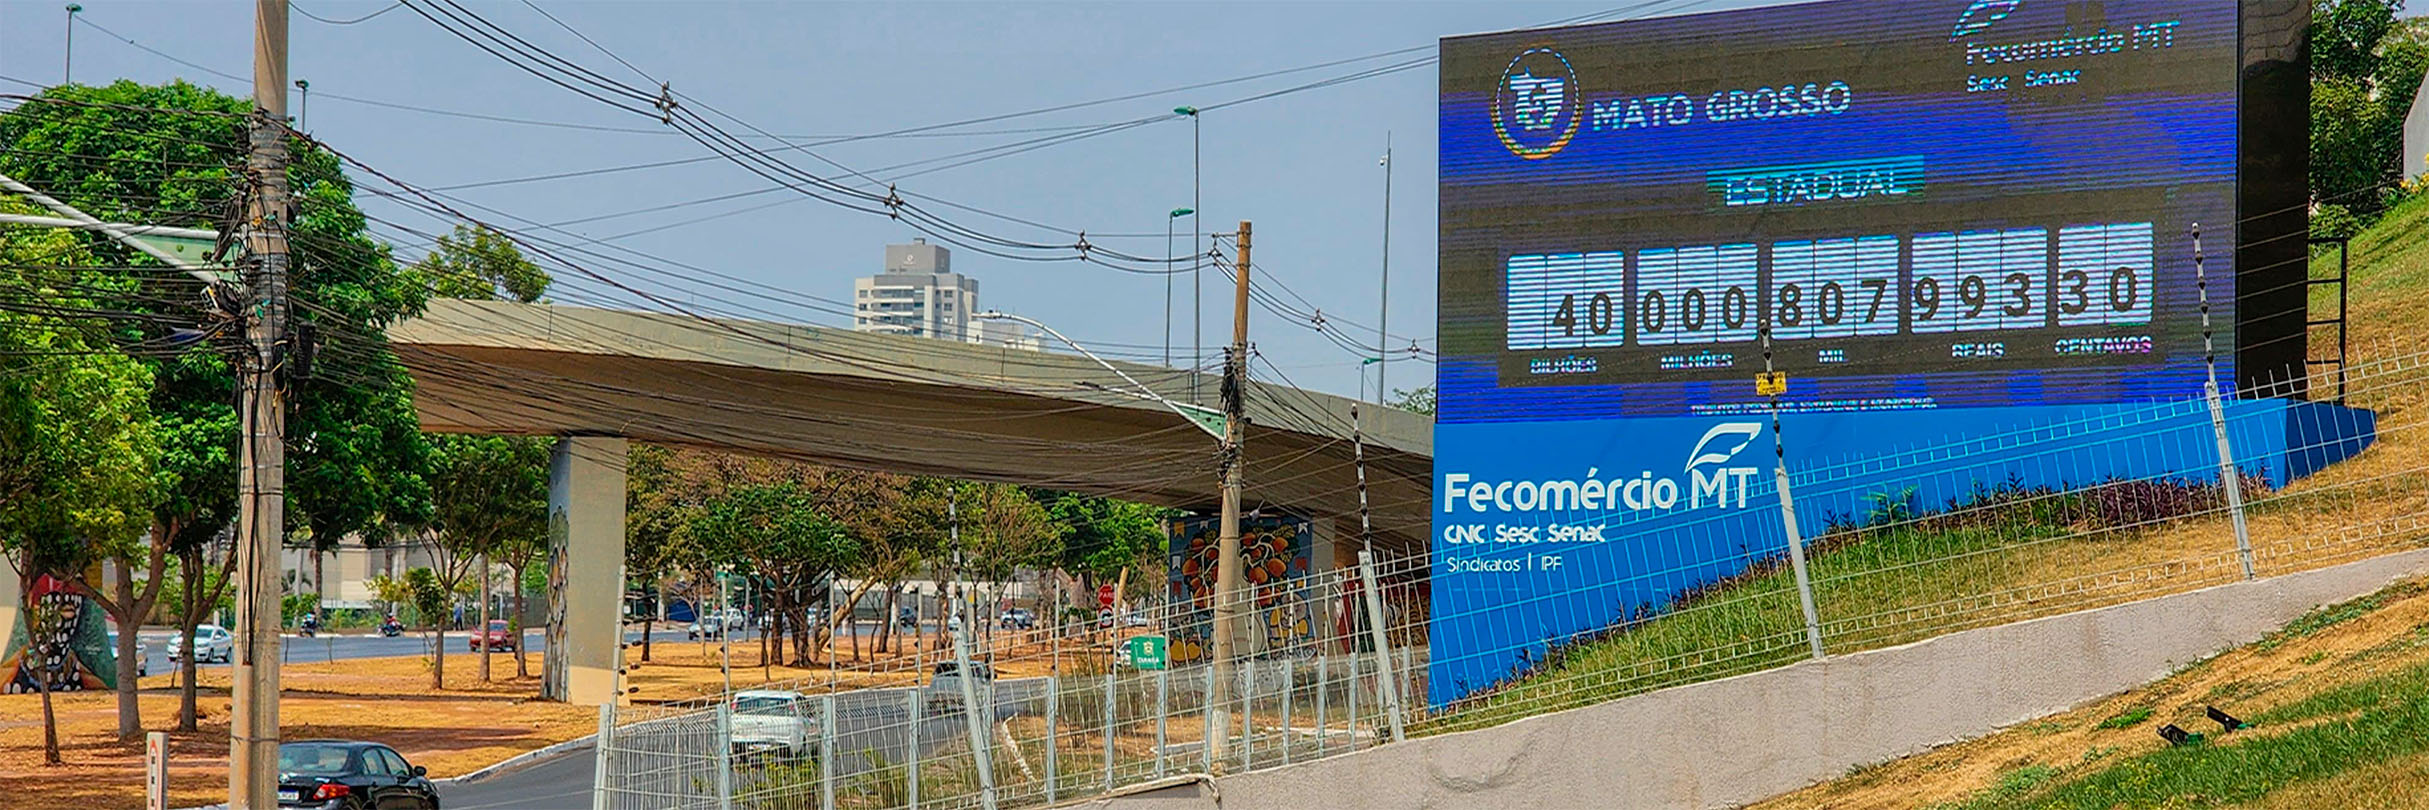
(772, 721)
(944, 687)
(712, 625)
(211, 643)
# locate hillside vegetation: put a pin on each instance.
(2338, 708)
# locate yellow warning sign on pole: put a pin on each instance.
(1771, 383)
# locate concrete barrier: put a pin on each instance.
(1739, 740)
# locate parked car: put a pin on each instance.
(211, 643)
(907, 619)
(944, 686)
(1017, 619)
(143, 657)
(715, 624)
(498, 636)
(347, 775)
(773, 721)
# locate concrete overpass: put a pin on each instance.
(597, 378)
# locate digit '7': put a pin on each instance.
(1880, 289)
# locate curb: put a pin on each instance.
(518, 761)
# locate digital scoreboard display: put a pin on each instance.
(1971, 202)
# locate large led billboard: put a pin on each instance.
(1930, 204)
(1961, 223)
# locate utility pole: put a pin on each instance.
(1227, 560)
(253, 721)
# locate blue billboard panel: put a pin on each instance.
(1547, 531)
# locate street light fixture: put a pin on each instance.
(1199, 417)
(1177, 213)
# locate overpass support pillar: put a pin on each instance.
(585, 570)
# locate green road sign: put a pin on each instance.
(1143, 652)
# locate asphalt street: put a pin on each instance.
(300, 650)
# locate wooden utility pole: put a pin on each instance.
(253, 721)
(1228, 599)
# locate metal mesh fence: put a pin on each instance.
(1321, 670)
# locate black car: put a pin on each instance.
(344, 775)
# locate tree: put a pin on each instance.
(480, 263)
(1417, 401)
(491, 492)
(64, 368)
(2365, 70)
(76, 441)
(173, 155)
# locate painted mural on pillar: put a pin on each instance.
(1276, 554)
(67, 646)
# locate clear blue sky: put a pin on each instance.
(1302, 166)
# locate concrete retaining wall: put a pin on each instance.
(1729, 742)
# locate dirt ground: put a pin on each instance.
(2243, 682)
(464, 727)
(451, 731)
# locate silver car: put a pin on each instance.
(944, 686)
(211, 643)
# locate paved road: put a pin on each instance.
(869, 720)
(300, 650)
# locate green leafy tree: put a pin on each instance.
(480, 263)
(1420, 400)
(173, 155)
(2366, 68)
(64, 366)
(491, 493)
(76, 441)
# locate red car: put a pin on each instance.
(497, 637)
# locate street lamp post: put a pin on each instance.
(1383, 317)
(1197, 287)
(303, 106)
(1177, 213)
(67, 73)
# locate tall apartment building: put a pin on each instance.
(918, 294)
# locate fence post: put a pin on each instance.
(1352, 681)
(1385, 680)
(980, 757)
(1163, 713)
(1109, 719)
(1324, 686)
(919, 736)
(1290, 673)
(1206, 745)
(725, 755)
(600, 746)
(1779, 474)
(1248, 705)
(826, 752)
(1054, 704)
(2229, 478)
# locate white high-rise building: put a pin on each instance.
(918, 294)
